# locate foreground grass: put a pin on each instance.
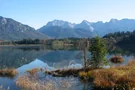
(8, 73)
(120, 77)
(113, 78)
(31, 83)
(35, 79)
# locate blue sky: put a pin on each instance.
(37, 13)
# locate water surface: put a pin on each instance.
(27, 57)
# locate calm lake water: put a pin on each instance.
(27, 57)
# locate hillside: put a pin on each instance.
(13, 30)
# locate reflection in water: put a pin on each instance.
(16, 57)
(127, 51)
(34, 64)
(24, 58)
(60, 58)
(8, 83)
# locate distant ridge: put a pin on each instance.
(13, 30)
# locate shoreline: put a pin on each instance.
(22, 45)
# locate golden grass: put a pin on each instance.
(120, 77)
(8, 73)
(117, 59)
(28, 82)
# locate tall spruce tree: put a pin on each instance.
(98, 52)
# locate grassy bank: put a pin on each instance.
(120, 77)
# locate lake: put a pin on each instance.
(27, 57)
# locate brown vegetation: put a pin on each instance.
(120, 77)
(28, 82)
(8, 73)
(117, 59)
(67, 72)
(115, 77)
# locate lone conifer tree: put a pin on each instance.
(98, 52)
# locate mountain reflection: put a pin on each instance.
(13, 57)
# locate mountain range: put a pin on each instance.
(14, 30)
(64, 29)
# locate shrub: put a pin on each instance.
(8, 73)
(117, 59)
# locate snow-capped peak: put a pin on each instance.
(60, 23)
(85, 22)
(85, 25)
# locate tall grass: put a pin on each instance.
(120, 77)
(36, 81)
(28, 83)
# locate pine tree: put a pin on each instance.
(98, 52)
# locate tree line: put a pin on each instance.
(121, 38)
